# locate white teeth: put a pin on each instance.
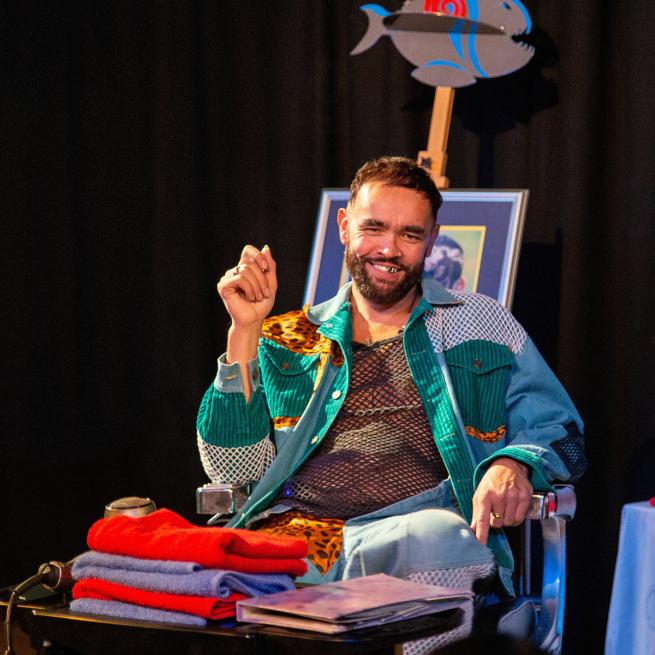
(386, 269)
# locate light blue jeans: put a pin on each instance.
(421, 533)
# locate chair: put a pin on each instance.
(537, 615)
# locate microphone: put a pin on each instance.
(58, 576)
(130, 506)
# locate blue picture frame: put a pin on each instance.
(480, 237)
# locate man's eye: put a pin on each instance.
(412, 237)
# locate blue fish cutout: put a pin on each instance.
(470, 39)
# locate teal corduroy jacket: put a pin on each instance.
(486, 390)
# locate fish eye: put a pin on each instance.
(506, 5)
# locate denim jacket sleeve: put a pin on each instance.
(544, 430)
(234, 436)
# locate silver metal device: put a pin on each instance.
(221, 500)
(548, 504)
(130, 506)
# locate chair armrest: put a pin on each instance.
(546, 504)
(553, 510)
(222, 499)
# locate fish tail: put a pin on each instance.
(376, 28)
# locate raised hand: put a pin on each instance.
(248, 293)
(248, 290)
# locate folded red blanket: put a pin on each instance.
(209, 608)
(163, 534)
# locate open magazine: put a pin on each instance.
(351, 604)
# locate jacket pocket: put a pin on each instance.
(480, 374)
(288, 380)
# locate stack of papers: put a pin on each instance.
(351, 604)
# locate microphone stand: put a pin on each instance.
(57, 576)
(44, 575)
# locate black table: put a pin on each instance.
(54, 630)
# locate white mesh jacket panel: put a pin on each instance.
(234, 465)
(478, 317)
(462, 577)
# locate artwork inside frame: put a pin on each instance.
(477, 248)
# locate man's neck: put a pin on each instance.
(373, 322)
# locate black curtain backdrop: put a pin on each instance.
(144, 143)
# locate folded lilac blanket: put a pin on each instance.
(135, 612)
(186, 578)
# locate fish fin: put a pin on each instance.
(376, 14)
(443, 74)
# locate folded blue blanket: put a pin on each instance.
(135, 612)
(94, 558)
(189, 579)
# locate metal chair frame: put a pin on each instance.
(553, 510)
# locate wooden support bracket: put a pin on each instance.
(436, 157)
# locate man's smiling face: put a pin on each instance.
(386, 232)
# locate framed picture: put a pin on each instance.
(477, 248)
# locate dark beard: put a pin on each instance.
(386, 296)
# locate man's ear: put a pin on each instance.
(342, 222)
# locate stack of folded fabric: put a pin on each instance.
(160, 567)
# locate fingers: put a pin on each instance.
(501, 499)
(271, 273)
(253, 281)
(481, 529)
(253, 266)
(523, 507)
(250, 254)
(481, 518)
(254, 277)
(503, 513)
(515, 502)
(239, 281)
(484, 519)
(508, 512)
(496, 519)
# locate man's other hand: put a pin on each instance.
(502, 497)
(248, 290)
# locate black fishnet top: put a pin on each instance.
(379, 450)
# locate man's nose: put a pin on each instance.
(389, 246)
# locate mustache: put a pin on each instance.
(385, 261)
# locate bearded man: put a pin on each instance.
(398, 427)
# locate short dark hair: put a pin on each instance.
(397, 171)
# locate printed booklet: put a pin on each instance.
(351, 604)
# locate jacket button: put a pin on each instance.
(328, 325)
(477, 363)
(314, 440)
(285, 366)
(336, 394)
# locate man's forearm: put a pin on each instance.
(242, 344)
